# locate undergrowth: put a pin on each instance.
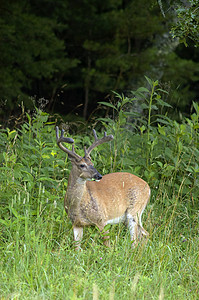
(38, 260)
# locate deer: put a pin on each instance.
(95, 200)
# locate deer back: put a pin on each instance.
(117, 192)
(110, 199)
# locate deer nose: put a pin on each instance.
(97, 176)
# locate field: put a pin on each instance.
(38, 260)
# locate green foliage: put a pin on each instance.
(154, 146)
(31, 53)
(114, 49)
(31, 171)
(181, 87)
(37, 255)
(73, 59)
(187, 25)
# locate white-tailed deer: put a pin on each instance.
(113, 198)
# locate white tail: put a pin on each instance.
(113, 198)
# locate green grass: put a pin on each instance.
(38, 260)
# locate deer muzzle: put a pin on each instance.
(97, 176)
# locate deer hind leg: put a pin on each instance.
(133, 227)
(137, 232)
(141, 231)
(78, 234)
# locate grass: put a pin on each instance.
(38, 260)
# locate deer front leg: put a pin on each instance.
(105, 235)
(78, 234)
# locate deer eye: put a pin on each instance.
(82, 166)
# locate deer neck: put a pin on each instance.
(75, 192)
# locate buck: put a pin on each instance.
(93, 199)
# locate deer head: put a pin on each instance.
(82, 166)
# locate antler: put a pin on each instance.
(98, 142)
(65, 140)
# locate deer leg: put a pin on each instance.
(133, 228)
(106, 238)
(78, 234)
(142, 232)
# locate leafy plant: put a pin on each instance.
(187, 25)
(32, 171)
(37, 255)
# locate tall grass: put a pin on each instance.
(38, 260)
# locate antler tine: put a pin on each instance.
(65, 140)
(95, 135)
(105, 139)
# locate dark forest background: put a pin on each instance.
(69, 55)
(129, 68)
